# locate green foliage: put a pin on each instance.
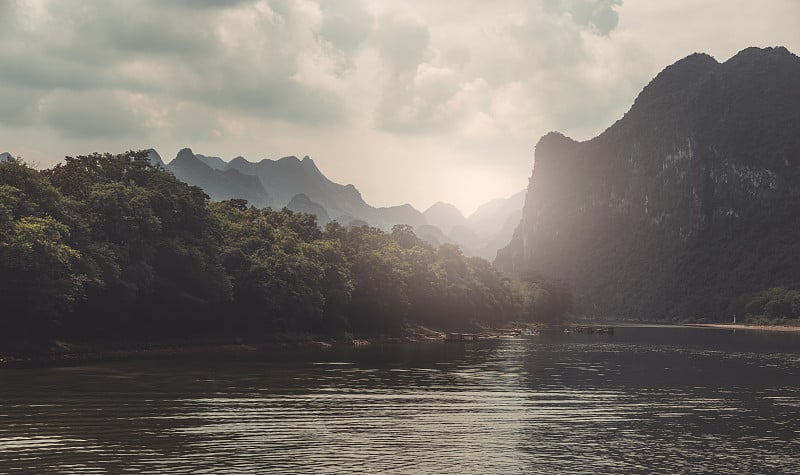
(111, 244)
(776, 304)
(39, 269)
(158, 230)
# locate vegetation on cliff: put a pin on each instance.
(681, 207)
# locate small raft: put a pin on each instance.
(462, 337)
(590, 330)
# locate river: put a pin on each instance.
(648, 399)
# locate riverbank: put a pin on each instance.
(742, 326)
(65, 351)
(68, 352)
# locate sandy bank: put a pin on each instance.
(740, 326)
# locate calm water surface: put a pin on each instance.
(646, 400)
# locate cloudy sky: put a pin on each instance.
(411, 101)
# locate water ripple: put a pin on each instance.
(636, 403)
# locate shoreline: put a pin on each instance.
(744, 326)
(65, 352)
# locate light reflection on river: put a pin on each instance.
(648, 399)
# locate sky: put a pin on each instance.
(411, 101)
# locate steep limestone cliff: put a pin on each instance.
(688, 201)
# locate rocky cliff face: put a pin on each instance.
(689, 200)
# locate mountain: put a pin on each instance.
(387, 217)
(493, 224)
(300, 186)
(5, 156)
(218, 184)
(493, 216)
(489, 246)
(465, 237)
(432, 235)
(214, 162)
(444, 216)
(289, 176)
(303, 204)
(155, 158)
(486, 230)
(685, 205)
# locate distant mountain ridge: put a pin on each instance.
(444, 216)
(216, 163)
(687, 203)
(218, 184)
(289, 176)
(300, 186)
(284, 180)
(155, 158)
(494, 223)
(302, 204)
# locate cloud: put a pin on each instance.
(376, 90)
(456, 77)
(598, 15)
(89, 115)
(17, 105)
(401, 42)
(346, 24)
(241, 56)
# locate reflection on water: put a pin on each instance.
(669, 400)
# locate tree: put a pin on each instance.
(39, 270)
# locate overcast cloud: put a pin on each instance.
(411, 101)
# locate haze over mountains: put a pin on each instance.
(300, 186)
(683, 206)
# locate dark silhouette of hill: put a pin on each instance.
(155, 158)
(289, 176)
(214, 162)
(299, 185)
(283, 180)
(685, 204)
(218, 184)
(303, 204)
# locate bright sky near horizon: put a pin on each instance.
(409, 100)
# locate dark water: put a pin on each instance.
(647, 400)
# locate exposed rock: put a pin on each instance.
(688, 201)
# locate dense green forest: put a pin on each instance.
(774, 306)
(111, 245)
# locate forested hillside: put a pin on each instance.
(115, 245)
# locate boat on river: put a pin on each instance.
(590, 330)
(462, 337)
